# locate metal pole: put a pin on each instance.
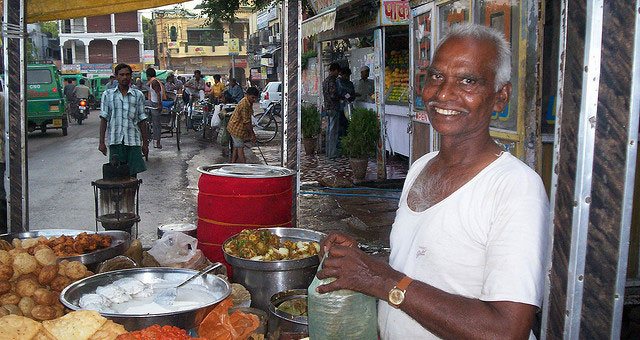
(233, 66)
(594, 169)
(14, 28)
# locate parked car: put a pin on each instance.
(272, 93)
(45, 99)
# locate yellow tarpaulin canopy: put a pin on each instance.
(46, 10)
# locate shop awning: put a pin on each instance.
(325, 21)
(67, 9)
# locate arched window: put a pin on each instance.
(173, 34)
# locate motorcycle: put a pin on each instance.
(81, 111)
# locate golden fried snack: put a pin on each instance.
(9, 299)
(4, 311)
(47, 274)
(25, 263)
(13, 309)
(30, 242)
(109, 331)
(78, 325)
(26, 304)
(59, 283)
(89, 273)
(42, 313)
(62, 267)
(26, 286)
(4, 245)
(43, 335)
(5, 258)
(5, 286)
(15, 251)
(75, 270)
(16, 242)
(43, 296)
(16, 327)
(6, 272)
(45, 256)
(59, 312)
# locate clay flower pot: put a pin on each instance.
(359, 167)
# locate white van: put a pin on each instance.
(272, 93)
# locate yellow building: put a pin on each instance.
(185, 44)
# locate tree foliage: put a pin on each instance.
(50, 27)
(220, 11)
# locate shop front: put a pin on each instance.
(374, 35)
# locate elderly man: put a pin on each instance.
(468, 242)
(364, 86)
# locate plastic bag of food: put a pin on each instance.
(341, 314)
(176, 249)
(219, 325)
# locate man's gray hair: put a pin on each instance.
(502, 66)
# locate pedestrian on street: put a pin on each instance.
(194, 85)
(155, 96)
(112, 84)
(347, 94)
(468, 242)
(235, 90)
(122, 112)
(217, 89)
(332, 109)
(240, 127)
(364, 87)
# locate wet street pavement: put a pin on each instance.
(61, 196)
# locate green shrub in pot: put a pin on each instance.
(311, 127)
(310, 121)
(361, 139)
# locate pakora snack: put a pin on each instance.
(262, 245)
(61, 246)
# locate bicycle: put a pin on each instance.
(267, 122)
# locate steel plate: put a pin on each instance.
(185, 319)
(120, 242)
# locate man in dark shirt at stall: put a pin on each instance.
(332, 109)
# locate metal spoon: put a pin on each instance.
(168, 296)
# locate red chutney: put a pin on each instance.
(157, 332)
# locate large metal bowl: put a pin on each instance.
(263, 279)
(185, 319)
(120, 242)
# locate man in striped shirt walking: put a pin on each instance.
(122, 112)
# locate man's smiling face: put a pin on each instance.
(459, 91)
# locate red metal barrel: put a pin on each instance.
(233, 197)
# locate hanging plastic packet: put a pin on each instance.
(341, 314)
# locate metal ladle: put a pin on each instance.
(168, 296)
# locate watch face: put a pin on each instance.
(396, 296)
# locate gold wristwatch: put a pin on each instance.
(396, 294)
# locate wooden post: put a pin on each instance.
(594, 167)
(15, 66)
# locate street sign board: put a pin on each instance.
(149, 56)
(234, 46)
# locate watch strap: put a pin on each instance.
(404, 283)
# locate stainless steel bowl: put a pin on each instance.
(263, 279)
(185, 319)
(120, 242)
(286, 324)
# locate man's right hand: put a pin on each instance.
(336, 239)
(103, 148)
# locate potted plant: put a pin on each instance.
(361, 139)
(310, 119)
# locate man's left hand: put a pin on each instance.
(357, 271)
(145, 150)
(254, 139)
